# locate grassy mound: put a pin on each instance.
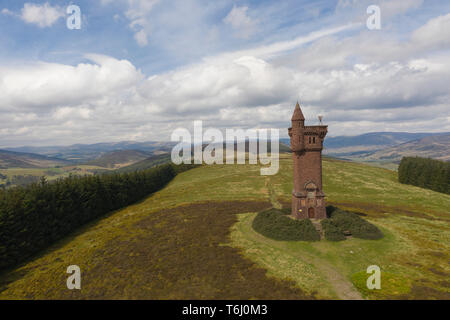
(341, 221)
(274, 224)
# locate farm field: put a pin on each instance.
(23, 176)
(194, 240)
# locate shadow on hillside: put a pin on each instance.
(19, 271)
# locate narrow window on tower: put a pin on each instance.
(314, 139)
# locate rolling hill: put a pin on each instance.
(10, 159)
(146, 163)
(373, 139)
(359, 146)
(194, 240)
(86, 152)
(386, 149)
(166, 157)
(436, 147)
(119, 158)
(348, 145)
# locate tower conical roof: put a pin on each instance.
(298, 114)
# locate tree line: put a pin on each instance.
(34, 216)
(425, 173)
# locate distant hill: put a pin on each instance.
(119, 158)
(147, 163)
(387, 148)
(282, 147)
(344, 146)
(10, 159)
(86, 152)
(82, 153)
(436, 147)
(373, 139)
(164, 158)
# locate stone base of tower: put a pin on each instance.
(304, 208)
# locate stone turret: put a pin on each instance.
(308, 199)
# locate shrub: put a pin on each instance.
(329, 210)
(357, 226)
(274, 224)
(331, 231)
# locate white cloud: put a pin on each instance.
(278, 48)
(141, 38)
(435, 33)
(139, 8)
(209, 86)
(182, 30)
(137, 13)
(239, 20)
(49, 85)
(7, 12)
(66, 113)
(41, 15)
(108, 99)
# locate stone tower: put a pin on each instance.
(308, 199)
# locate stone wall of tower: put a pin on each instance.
(307, 167)
(296, 132)
(308, 199)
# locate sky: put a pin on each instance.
(136, 70)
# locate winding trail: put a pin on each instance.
(340, 285)
(272, 194)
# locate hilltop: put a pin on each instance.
(194, 240)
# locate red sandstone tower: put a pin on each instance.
(308, 199)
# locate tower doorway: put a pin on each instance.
(311, 213)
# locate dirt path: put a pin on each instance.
(272, 195)
(344, 289)
(341, 286)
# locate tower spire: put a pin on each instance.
(298, 114)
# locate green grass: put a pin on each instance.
(360, 187)
(414, 221)
(132, 252)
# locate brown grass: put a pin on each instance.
(181, 253)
